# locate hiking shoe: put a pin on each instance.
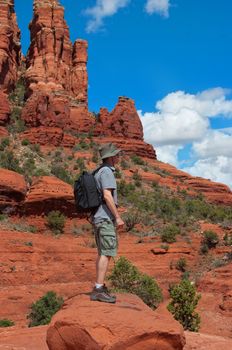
(107, 291)
(102, 294)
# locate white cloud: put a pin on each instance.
(217, 169)
(167, 128)
(184, 119)
(102, 9)
(160, 7)
(168, 154)
(215, 143)
(209, 103)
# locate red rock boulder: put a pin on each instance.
(198, 341)
(13, 189)
(128, 324)
(49, 193)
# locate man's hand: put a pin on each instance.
(119, 222)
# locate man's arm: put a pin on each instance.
(107, 194)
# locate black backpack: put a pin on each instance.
(88, 197)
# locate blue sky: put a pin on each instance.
(173, 57)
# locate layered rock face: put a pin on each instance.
(52, 58)
(10, 49)
(4, 109)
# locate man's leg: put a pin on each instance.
(102, 264)
(106, 243)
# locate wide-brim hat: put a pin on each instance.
(108, 150)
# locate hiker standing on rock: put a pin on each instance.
(105, 220)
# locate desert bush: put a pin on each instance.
(41, 172)
(17, 96)
(5, 142)
(16, 123)
(56, 221)
(227, 239)
(25, 142)
(125, 277)
(125, 189)
(210, 239)
(136, 176)
(44, 308)
(3, 217)
(131, 218)
(164, 246)
(6, 323)
(181, 264)
(137, 160)
(183, 304)
(169, 233)
(8, 161)
(61, 173)
(124, 164)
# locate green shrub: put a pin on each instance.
(204, 248)
(16, 123)
(183, 304)
(181, 264)
(36, 148)
(17, 96)
(40, 172)
(227, 239)
(136, 176)
(164, 246)
(56, 221)
(137, 160)
(210, 239)
(61, 173)
(125, 277)
(131, 218)
(4, 143)
(169, 233)
(25, 142)
(44, 308)
(8, 161)
(3, 217)
(6, 323)
(124, 164)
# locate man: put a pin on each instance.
(105, 221)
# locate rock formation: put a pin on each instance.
(13, 189)
(129, 324)
(49, 193)
(10, 49)
(123, 121)
(53, 63)
(4, 109)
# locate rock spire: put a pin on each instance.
(53, 63)
(10, 48)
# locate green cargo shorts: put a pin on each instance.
(106, 238)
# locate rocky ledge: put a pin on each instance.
(128, 324)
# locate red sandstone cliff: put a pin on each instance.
(53, 63)
(10, 48)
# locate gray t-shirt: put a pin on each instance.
(105, 180)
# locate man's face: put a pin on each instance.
(116, 159)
